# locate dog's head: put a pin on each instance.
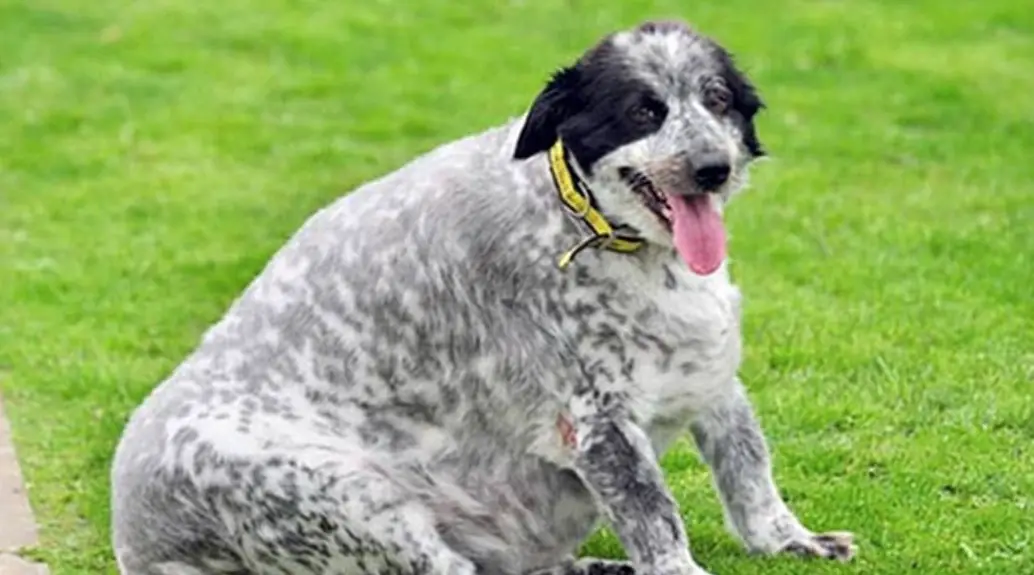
(660, 124)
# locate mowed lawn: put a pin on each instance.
(154, 154)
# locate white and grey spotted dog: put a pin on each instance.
(417, 384)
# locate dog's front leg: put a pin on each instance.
(731, 441)
(614, 457)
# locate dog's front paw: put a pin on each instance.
(837, 545)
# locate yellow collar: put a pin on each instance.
(576, 197)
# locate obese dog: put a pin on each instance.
(461, 367)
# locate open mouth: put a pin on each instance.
(694, 221)
(654, 200)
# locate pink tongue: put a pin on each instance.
(699, 234)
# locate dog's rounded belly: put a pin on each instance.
(518, 514)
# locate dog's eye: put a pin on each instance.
(718, 98)
(648, 112)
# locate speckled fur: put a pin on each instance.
(385, 396)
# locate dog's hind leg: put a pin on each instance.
(588, 566)
(316, 511)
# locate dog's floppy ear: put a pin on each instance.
(746, 103)
(553, 105)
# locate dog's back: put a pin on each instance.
(372, 336)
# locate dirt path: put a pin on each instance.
(17, 525)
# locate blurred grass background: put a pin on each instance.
(153, 154)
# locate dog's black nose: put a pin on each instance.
(709, 176)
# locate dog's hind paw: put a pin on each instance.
(590, 567)
(604, 568)
(837, 545)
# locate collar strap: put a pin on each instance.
(577, 198)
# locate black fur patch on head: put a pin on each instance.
(600, 104)
(595, 106)
(745, 101)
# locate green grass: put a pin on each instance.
(154, 154)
